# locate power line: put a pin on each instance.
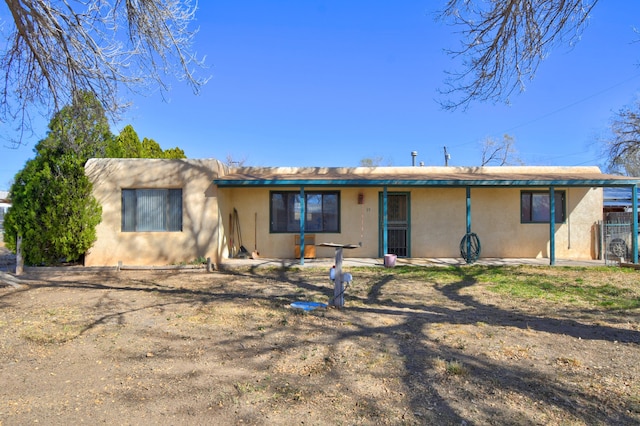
(575, 103)
(563, 108)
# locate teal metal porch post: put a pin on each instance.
(385, 243)
(634, 235)
(302, 223)
(552, 226)
(468, 222)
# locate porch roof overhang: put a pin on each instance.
(468, 177)
(424, 177)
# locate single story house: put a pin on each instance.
(158, 212)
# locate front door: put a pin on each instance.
(397, 224)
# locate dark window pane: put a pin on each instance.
(330, 213)
(540, 208)
(151, 209)
(559, 198)
(174, 218)
(536, 207)
(321, 211)
(526, 206)
(128, 210)
(314, 213)
(293, 212)
(278, 212)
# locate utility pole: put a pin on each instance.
(447, 157)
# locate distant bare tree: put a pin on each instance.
(232, 162)
(503, 42)
(54, 49)
(371, 161)
(499, 152)
(623, 148)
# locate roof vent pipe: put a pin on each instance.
(414, 154)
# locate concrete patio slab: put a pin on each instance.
(354, 262)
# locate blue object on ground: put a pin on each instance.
(308, 306)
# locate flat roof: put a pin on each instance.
(529, 176)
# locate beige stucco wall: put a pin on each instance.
(438, 222)
(201, 235)
(438, 218)
(358, 222)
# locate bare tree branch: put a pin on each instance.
(623, 148)
(499, 152)
(503, 42)
(58, 48)
(232, 162)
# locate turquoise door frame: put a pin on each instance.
(383, 232)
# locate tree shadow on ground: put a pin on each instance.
(418, 349)
(521, 380)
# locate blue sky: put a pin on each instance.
(330, 83)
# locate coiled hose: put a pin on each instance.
(470, 247)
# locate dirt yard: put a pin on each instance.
(143, 347)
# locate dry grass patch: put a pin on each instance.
(54, 325)
(449, 368)
(516, 352)
(569, 362)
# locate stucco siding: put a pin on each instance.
(495, 218)
(357, 222)
(200, 236)
(437, 218)
(438, 222)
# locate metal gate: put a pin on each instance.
(616, 238)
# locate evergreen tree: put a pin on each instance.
(174, 153)
(151, 149)
(81, 129)
(53, 208)
(127, 145)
